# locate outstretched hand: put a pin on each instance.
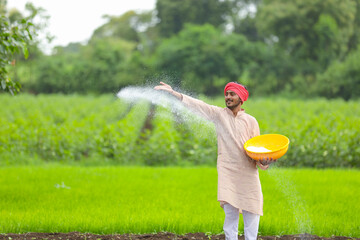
(165, 87)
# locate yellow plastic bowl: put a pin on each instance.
(267, 146)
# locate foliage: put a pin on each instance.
(272, 46)
(103, 130)
(241, 18)
(49, 132)
(102, 66)
(313, 30)
(13, 39)
(173, 15)
(112, 200)
(205, 59)
(19, 41)
(313, 33)
(355, 38)
(126, 27)
(342, 78)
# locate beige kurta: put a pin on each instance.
(238, 177)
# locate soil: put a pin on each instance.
(158, 236)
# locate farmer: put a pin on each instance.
(239, 189)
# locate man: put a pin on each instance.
(239, 189)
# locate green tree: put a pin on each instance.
(118, 27)
(104, 60)
(174, 14)
(355, 38)
(26, 28)
(128, 26)
(113, 58)
(102, 66)
(39, 19)
(204, 59)
(241, 18)
(341, 79)
(14, 36)
(314, 32)
(138, 27)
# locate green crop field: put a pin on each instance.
(98, 130)
(105, 200)
(86, 163)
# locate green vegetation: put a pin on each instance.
(302, 47)
(19, 41)
(146, 200)
(12, 40)
(98, 130)
(51, 146)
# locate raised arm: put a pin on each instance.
(205, 110)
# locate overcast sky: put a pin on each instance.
(75, 20)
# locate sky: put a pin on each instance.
(75, 20)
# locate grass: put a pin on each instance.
(107, 200)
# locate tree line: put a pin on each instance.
(301, 48)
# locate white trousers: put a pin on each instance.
(231, 223)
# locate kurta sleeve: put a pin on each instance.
(201, 108)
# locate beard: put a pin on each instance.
(234, 106)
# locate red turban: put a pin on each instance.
(238, 89)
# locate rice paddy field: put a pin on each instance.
(106, 200)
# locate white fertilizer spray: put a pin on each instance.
(135, 95)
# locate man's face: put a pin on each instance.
(232, 100)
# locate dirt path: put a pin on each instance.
(158, 236)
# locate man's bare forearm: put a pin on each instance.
(177, 95)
